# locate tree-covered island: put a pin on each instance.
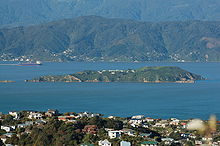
(145, 74)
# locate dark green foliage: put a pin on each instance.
(94, 38)
(12, 140)
(9, 120)
(114, 124)
(2, 131)
(175, 136)
(1, 143)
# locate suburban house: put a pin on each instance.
(8, 128)
(26, 124)
(148, 119)
(174, 121)
(104, 143)
(145, 135)
(137, 117)
(125, 143)
(70, 118)
(88, 115)
(129, 132)
(135, 122)
(15, 114)
(35, 115)
(114, 134)
(91, 129)
(167, 141)
(51, 113)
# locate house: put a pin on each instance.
(39, 122)
(145, 135)
(91, 129)
(15, 114)
(149, 143)
(137, 117)
(185, 135)
(114, 134)
(198, 142)
(26, 124)
(148, 119)
(104, 143)
(167, 141)
(207, 138)
(51, 113)
(145, 125)
(35, 115)
(184, 125)
(125, 143)
(112, 117)
(88, 115)
(135, 122)
(174, 121)
(8, 128)
(129, 132)
(67, 118)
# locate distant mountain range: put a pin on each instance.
(93, 38)
(26, 12)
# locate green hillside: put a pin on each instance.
(95, 38)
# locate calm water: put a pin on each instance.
(164, 100)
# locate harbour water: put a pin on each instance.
(158, 100)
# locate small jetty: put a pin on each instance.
(37, 63)
(7, 81)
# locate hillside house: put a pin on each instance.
(114, 134)
(104, 143)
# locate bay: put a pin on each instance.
(157, 100)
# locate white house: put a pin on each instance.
(104, 143)
(148, 119)
(35, 115)
(137, 117)
(167, 141)
(8, 128)
(125, 143)
(135, 122)
(15, 114)
(87, 114)
(114, 134)
(129, 132)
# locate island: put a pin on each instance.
(159, 74)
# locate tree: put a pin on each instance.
(114, 124)
(1, 143)
(175, 136)
(12, 140)
(90, 138)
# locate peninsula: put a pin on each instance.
(159, 74)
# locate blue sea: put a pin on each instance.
(157, 100)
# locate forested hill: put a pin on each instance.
(93, 38)
(26, 12)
